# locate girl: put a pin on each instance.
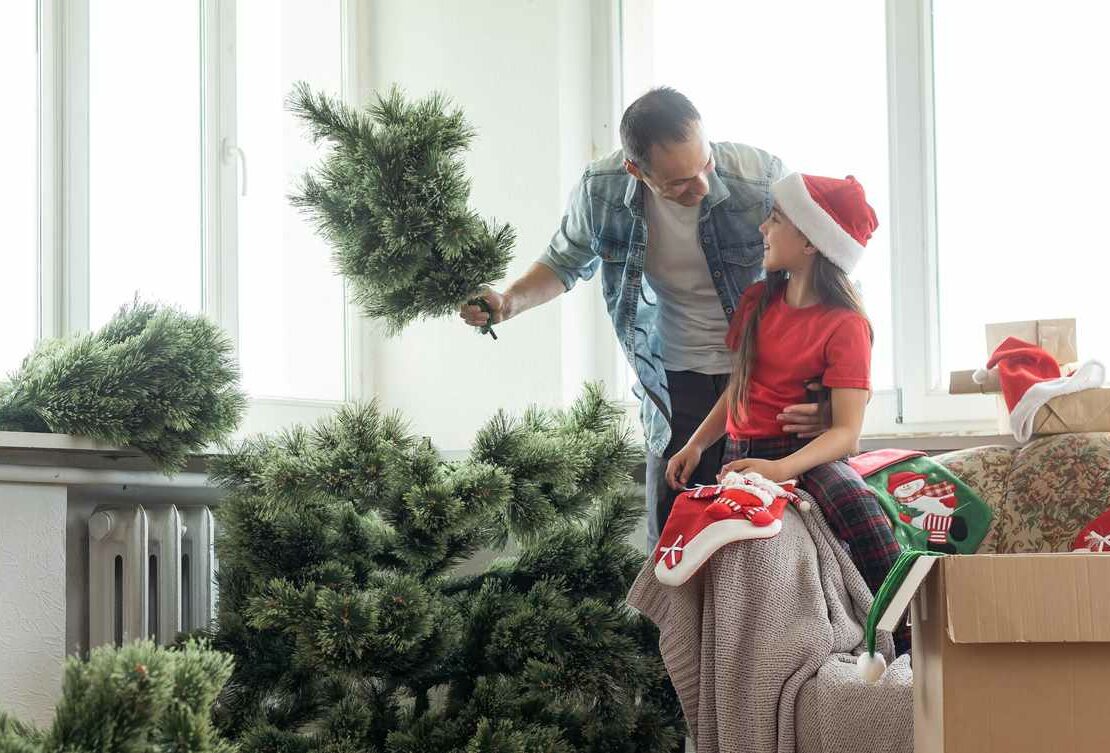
(805, 322)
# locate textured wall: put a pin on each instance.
(521, 71)
(32, 598)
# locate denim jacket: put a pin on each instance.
(605, 226)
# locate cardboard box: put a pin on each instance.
(1011, 652)
(1088, 410)
(962, 383)
(1057, 336)
(1081, 411)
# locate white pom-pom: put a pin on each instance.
(803, 504)
(871, 668)
(980, 376)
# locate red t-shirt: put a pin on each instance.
(794, 346)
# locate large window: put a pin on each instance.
(287, 350)
(166, 160)
(19, 185)
(978, 129)
(787, 94)
(1022, 154)
(144, 154)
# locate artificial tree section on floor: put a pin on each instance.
(353, 630)
(136, 699)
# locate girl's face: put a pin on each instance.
(784, 246)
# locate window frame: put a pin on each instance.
(63, 248)
(919, 404)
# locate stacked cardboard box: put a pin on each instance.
(1088, 410)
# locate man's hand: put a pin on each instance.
(768, 469)
(807, 420)
(475, 317)
(682, 465)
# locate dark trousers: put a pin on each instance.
(693, 395)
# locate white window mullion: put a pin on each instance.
(362, 338)
(925, 402)
(224, 171)
(51, 284)
(607, 105)
(72, 274)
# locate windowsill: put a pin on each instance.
(935, 442)
(35, 448)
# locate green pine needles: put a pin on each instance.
(136, 699)
(362, 620)
(153, 378)
(391, 199)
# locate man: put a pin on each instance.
(673, 222)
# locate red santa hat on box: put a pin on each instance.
(832, 213)
(1030, 377)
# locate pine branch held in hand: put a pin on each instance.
(390, 196)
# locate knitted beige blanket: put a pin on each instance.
(759, 645)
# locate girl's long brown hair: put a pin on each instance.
(833, 289)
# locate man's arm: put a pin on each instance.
(568, 258)
(536, 287)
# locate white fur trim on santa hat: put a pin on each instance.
(707, 541)
(1088, 376)
(815, 223)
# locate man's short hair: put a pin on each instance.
(662, 116)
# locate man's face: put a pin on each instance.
(679, 171)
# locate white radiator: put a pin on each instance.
(151, 573)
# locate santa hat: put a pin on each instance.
(1030, 377)
(702, 520)
(901, 478)
(832, 213)
(1095, 537)
(871, 663)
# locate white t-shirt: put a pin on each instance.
(692, 324)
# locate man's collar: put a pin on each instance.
(634, 196)
(718, 192)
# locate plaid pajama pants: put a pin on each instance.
(848, 503)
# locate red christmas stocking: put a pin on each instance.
(703, 519)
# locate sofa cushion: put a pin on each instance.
(1042, 494)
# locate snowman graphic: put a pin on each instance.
(930, 508)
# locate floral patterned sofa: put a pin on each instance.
(1043, 493)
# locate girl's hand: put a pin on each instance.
(682, 465)
(768, 469)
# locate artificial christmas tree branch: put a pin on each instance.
(353, 629)
(134, 699)
(391, 199)
(153, 378)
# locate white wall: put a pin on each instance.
(32, 598)
(524, 74)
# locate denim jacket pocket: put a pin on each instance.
(743, 255)
(610, 251)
